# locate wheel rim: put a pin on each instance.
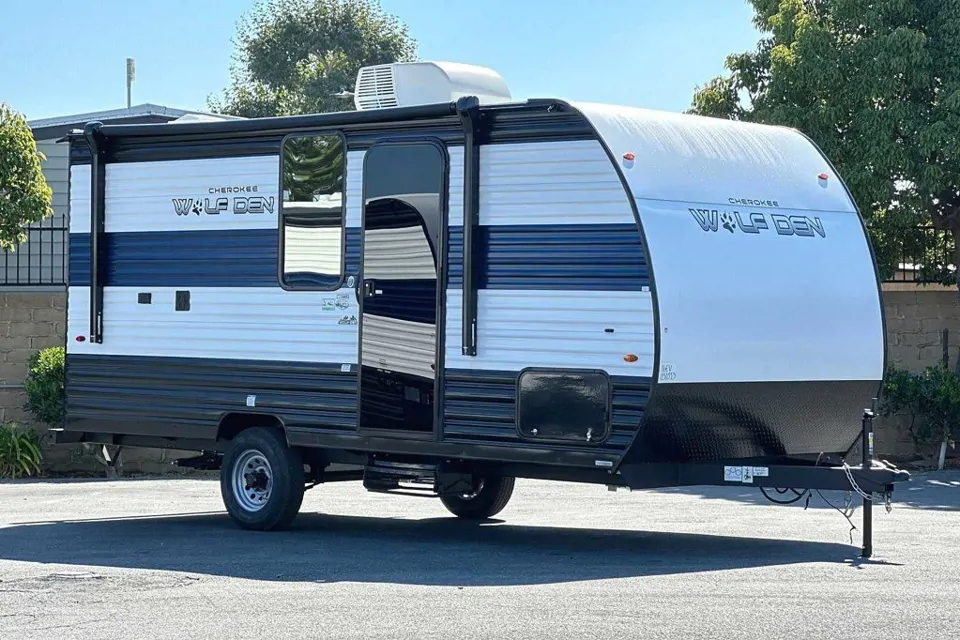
(252, 480)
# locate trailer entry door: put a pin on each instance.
(403, 221)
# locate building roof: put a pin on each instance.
(56, 127)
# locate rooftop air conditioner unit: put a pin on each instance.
(404, 84)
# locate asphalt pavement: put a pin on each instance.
(139, 558)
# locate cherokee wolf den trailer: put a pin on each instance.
(447, 289)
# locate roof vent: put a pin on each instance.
(404, 84)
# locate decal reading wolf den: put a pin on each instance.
(755, 222)
(215, 206)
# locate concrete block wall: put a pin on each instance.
(916, 317)
(29, 321)
(915, 323)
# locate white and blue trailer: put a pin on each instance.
(448, 289)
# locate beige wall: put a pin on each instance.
(30, 321)
(916, 318)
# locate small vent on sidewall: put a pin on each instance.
(376, 88)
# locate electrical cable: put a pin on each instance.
(798, 495)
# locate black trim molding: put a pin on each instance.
(92, 134)
(534, 120)
(468, 109)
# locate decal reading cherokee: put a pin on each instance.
(756, 222)
(216, 206)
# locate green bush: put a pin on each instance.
(19, 451)
(45, 386)
(930, 398)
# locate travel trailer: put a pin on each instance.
(448, 288)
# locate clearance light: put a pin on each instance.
(629, 157)
(630, 358)
(823, 176)
(81, 338)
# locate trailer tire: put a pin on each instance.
(490, 500)
(262, 456)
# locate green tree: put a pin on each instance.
(293, 56)
(876, 84)
(25, 196)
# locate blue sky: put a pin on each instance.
(63, 57)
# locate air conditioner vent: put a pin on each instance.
(376, 88)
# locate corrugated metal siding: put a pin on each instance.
(244, 323)
(563, 283)
(193, 394)
(42, 259)
(481, 407)
(555, 329)
(563, 256)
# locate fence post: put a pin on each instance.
(945, 341)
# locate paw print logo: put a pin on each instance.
(197, 206)
(728, 222)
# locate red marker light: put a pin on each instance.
(629, 157)
(80, 338)
(823, 176)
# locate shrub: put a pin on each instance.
(930, 398)
(19, 451)
(45, 386)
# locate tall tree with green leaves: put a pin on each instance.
(876, 84)
(294, 56)
(25, 196)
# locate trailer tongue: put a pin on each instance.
(872, 480)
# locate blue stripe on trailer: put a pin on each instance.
(229, 258)
(606, 257)
(558, 257)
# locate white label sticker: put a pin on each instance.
(603, 463)
(668, 372)
(744, 474)
(344, 368)
(251, 401)
(732, 474)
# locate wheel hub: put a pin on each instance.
(252, 480)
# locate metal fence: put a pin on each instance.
(41, 261)
(918, 254)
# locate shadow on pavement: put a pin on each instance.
(933, 490)
(438, 552)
